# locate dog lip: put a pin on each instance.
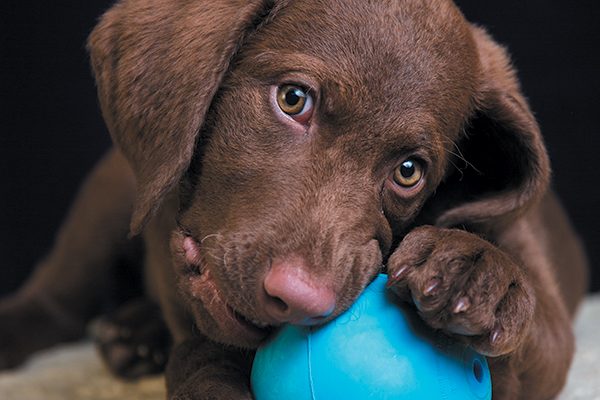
(191, 249)
(188, 250)
(232, 324)
(230, 321)
(258, 331)
(233, 327)
(239, 327)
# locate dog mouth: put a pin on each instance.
(214, 315)
(257, 328)
(233, 326)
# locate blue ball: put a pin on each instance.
(378, 349)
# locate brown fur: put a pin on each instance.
(481, 247)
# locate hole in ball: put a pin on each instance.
(478, 370)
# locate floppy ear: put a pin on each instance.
(502, 167)
(158, 64)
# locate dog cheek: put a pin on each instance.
(400, 212)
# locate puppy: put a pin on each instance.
(274, 156)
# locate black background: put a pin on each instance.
(51, 131)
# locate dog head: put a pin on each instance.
(304, 138)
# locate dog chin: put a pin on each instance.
(231, 328)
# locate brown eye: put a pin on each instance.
(409, 173)
(296, 102)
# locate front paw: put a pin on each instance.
(134, 341)
(465, 286)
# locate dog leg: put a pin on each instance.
(464, 285)
(66, 289)
(201, 370)
(502, 306)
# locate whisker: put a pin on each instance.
(458, 154)
(212, 235)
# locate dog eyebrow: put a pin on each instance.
(269, 64)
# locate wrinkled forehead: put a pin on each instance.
(408, 54)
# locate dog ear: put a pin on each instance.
(501, 166)
(158, 64)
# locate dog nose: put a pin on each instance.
(292, 295)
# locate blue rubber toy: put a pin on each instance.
(376, 350)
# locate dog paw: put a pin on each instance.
(464, 286)
(134, 341)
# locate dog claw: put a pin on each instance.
(432, 287)
(462, 305)
(397, 276)
(495, 336)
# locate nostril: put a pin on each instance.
(279, 304)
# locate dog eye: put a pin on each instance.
(409, 173)
(296, 102)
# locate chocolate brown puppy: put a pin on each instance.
(274, 156)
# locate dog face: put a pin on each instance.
(317, 185)
(304, 139)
